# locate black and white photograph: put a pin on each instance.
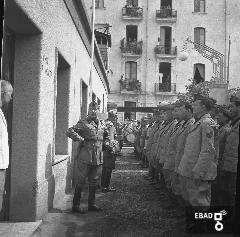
(120, 118)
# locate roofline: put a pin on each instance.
(77, 11)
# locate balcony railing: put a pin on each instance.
(163, 50)
(166, 13)
(132, 12)
(165, 87)
(132, 48)
(130, 85)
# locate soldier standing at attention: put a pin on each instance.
(89, 132)
(228, 168)
(110, 145)
(198, 163)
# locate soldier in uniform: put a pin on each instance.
(223, 117)
(198, 163)
(110, 145)
(89, 132)
(178, 182)
(228, 165)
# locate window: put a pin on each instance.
(199, 35)
(99, 3)
(131, 71)
(199, 5)
(133, 3)
(199, 72)
(131, 33)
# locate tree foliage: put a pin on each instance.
(194, 88)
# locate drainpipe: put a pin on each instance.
(92, 51)
(146, 43)
(225, 42)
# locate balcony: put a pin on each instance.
(165, 52)
(127, 85)
(165, 87)
(131, 49)
(166, 16)
(132, 13)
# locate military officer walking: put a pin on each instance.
(89, 132)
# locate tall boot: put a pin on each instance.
(76, 200)
(91, 197)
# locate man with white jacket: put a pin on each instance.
(6, 96)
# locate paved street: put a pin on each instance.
(136, 209)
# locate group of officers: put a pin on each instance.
(191, 150)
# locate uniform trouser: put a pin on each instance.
(106, 177)
(2, 191)
(198, 193)
(92, 172)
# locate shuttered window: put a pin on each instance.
(131, 71)
(99, 3)
(199, 35)
(199, 5)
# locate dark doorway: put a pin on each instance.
(84, 101)
(131, 33)
(129, 115)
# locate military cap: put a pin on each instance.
(235, 97)
(93, 106)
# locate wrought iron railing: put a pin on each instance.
(131, 47)
(166, 13)
(165, 87)
(132, 11)
(130, 85)
(159, 49)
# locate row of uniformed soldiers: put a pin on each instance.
(192, 151)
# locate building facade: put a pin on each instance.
(148, 37)
(47, 58)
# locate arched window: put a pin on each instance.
(199, 72)
(131, 71)
(199, 35)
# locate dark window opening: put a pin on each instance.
(131, 33)
(166, 39)
(199, 73)
(99, 3)
(166, 4)
(164, 77)
(131, 71)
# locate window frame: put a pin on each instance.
(99, 4)
(197, 6)
(130, 78)
(195, 30)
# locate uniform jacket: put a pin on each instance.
(220, 142)
(198, 160)
(4, 148)
(163, 143)
(230, 155)
(180, 142)
(109, 145)
(89, 151)
(171, 148)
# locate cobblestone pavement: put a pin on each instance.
(136, 209)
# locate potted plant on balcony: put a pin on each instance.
(138, 85)
(139, 47)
